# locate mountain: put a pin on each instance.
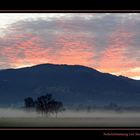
(71, 84)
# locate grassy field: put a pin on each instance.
(69, 122)
(18, 118)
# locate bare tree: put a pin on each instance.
(44, 104)
(29, 103)
(55, 107)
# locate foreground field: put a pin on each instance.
(69, 122)
(20, 118)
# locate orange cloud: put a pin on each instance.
(26, 52)
(114, 59)
(30, 50)
(74, 49)
(71, 48)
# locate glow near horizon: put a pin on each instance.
(70, 50)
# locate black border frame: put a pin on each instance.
(97, 6)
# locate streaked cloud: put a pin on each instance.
(108, 42)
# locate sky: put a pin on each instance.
(108, 42)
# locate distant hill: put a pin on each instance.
(72, 84)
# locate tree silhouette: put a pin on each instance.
(55, 106)
(44, 104)
(29, 103)
(89, 108)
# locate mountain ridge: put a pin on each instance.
(75, 65)
(72, 84)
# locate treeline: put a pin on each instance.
(43, 104)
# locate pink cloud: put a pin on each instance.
(74, 49)
(70, 48)
(28, 49)
(114, 59)
(25, 52)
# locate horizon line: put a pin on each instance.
(33, 65)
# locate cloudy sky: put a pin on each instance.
(108, 42)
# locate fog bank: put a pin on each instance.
(9, 112)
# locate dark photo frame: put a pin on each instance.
(76, 131)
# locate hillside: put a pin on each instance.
(72, 84)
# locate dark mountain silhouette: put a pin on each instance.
(71, 84)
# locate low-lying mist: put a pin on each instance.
(10, 112)
(20, 113)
